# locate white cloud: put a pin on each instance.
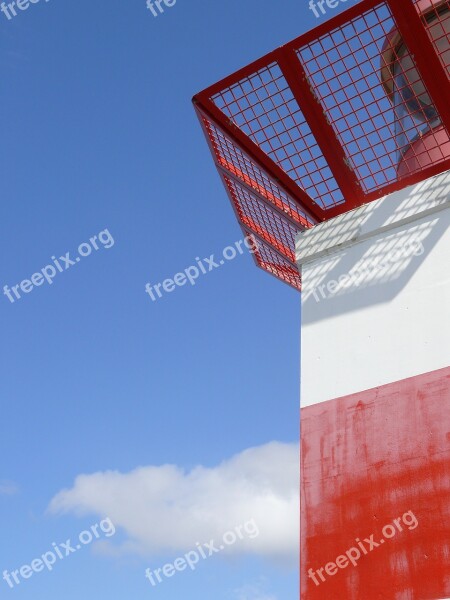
(8, 488)
(163, 509)
(252, 592)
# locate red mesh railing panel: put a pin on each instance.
(343, 67)
(264, 108)
(276, 265)
(437, 23)
(345, 114)
(232, 158)
(260, 218)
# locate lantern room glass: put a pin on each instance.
(412, 104)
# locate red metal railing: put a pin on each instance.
(332, 120)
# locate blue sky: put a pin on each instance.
(98, 132)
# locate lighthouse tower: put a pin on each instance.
(335, 153)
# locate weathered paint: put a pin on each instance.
(367, 459)
(375, 396)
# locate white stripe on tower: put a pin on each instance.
(376, 293)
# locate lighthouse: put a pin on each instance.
(334, 150)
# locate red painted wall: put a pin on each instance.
(366, 460)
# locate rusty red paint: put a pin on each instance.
(367, 459)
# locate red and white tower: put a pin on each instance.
(335, 152)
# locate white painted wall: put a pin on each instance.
(376, 293)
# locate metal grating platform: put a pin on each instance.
(326, 123)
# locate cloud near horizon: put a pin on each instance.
(165, 509)
(252, 592)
